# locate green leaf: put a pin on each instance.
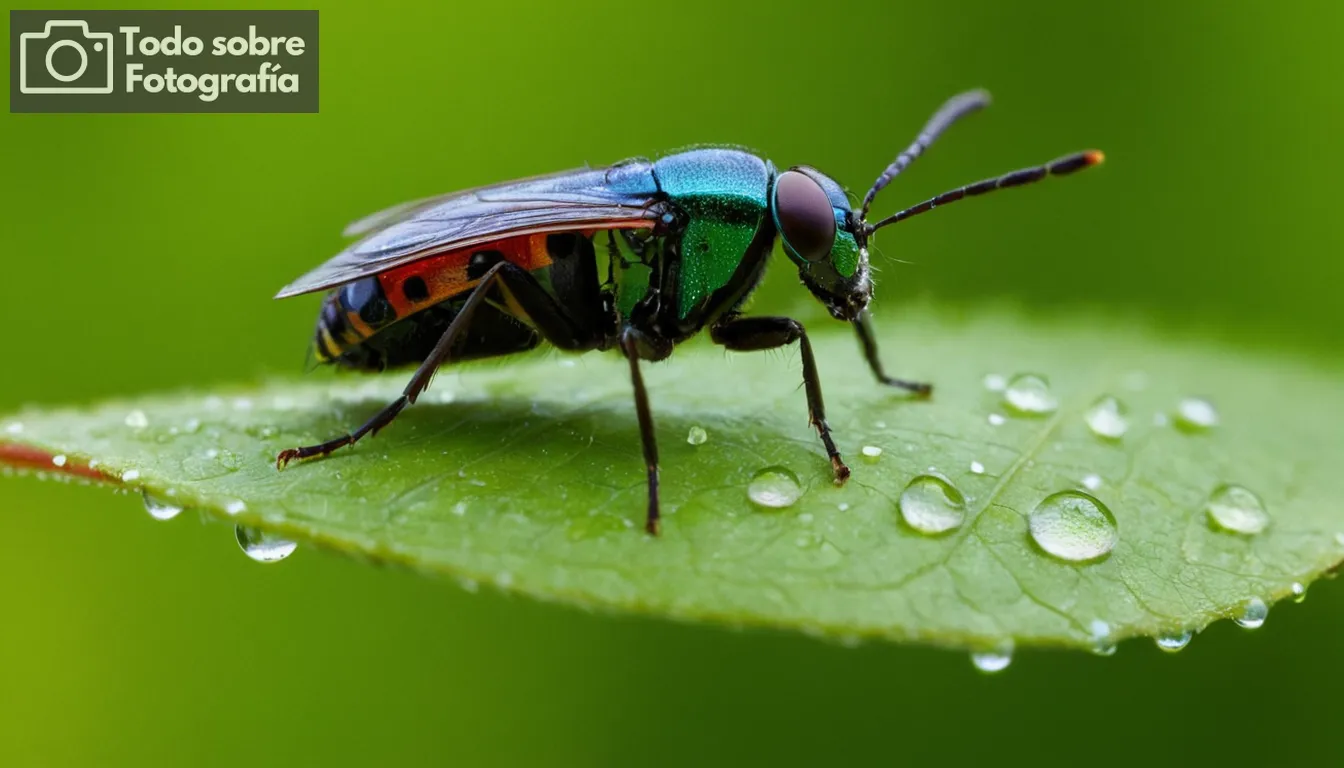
(527, 474)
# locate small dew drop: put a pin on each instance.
(871, 452)
(1196, 414)
(242, 404)
(1174, 642)
(1299, 591)
(977, 468)
(14, 428)
(996, 382)
(1092, 482)
(160, 509)
(932, 504)
(58, 460)
(137, 419)
(843, 506)
(996, 420)
(774, 488)
(261, 546)
(504, 579)
(995, 660)
(697, 436)
(1339, 538)
(212, 453)
(1029, 394)
(805, 518)
(235, 507)
(1253, 615)
(1108, 418)
(1161, 420)
(130, 475)
(1073, 526)
(1102, 644)
(1237, 510)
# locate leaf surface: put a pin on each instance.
(527, 474)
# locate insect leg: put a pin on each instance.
(540, 307)
(864, 327)
(746, 334)
(630, 347)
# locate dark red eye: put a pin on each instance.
(804, 216)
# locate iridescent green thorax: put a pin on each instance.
(724, 193)
(845, 252)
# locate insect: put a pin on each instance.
(685, 239)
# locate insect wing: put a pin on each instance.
(619, 197)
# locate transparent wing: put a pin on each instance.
(622, 196)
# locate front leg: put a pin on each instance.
(746, 334)
(864, 328)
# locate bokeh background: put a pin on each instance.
(139, 253)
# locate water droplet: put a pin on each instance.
(212, 453)
(1253, 615)
(996, 420)
(1236, 509)
(1029, 395)
(1174, 642)
(242, 404)
(58, 460)
(192, 426)
(1102, 644)
(235, 507)
(1195, 413)
(871, 452)
(1299, 591)
(1073, 526)
(160, 509)
(1108, 418)
(137, 419)
(504, 579)
(697, 436)
(1339, 539)
(843, 506)
(931, 504)
(977, 468)
(995, 660)
(261, 546)
(996, 382)
(880, 424)
(1092, 482)
(14, 428)
(130, 475)
(1160, 420)
(459, 509)
(774, 487)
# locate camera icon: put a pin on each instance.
(65, 57)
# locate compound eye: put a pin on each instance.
(804, 216)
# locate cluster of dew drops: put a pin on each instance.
(1070, 525)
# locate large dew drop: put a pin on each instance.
(160, 509)
(1236, 509)
(1108, 418)
(1195, 414)
(995, 660)
(1175, 641)
(261, 546)
(1029, 395)
(697, 436)
(1073, 526)
(932, 504)
(1253, 614)
(775, 488)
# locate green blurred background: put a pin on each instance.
(140, 253)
